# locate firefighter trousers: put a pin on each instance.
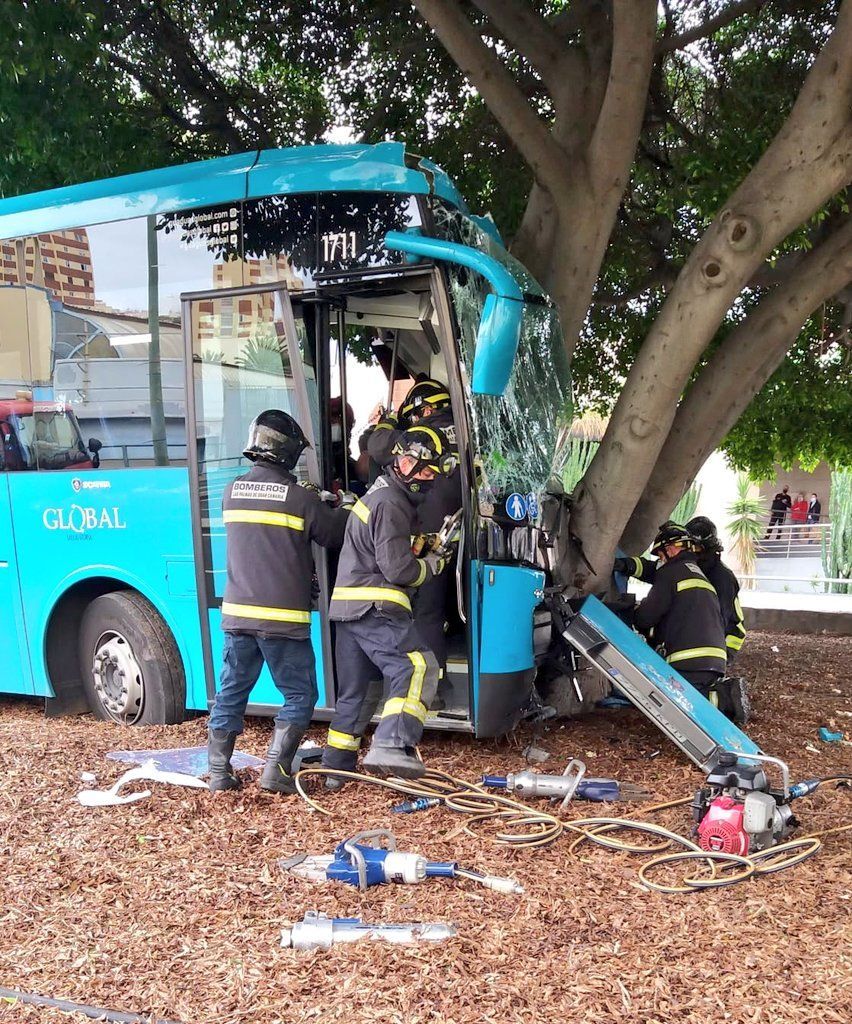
(291, 665)
(378, 647)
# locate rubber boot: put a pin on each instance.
(401, 762)
(220, 747)
(276, 777)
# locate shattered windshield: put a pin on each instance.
(519, 436)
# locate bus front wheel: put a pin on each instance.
(131, 668)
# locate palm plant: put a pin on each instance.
(745, 526)
(685, 508)
(581, 451)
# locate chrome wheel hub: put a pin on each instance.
(118, 679)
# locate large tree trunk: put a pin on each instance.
(808, 162)
(735, 373)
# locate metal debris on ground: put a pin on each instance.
(148, 772)
(318, 931)
(186, 760)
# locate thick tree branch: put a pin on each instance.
(498, 90)
(735, 10)
(527, 32)
(808, 162)
(614, 140)
(735, 373)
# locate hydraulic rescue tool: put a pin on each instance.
(362, 861)
(532, 784)
(317, 931)
(440, 543)
(738, 812)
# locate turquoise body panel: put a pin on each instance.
(14, 654)
(666, 679)
(503, 600)
(380, 168)
(127, 525)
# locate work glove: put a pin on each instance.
(346, 499)
(626, 566)
(387, 419)
(435, 563)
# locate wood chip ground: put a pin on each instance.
(172, 907)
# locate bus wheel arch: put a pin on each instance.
(109, 651)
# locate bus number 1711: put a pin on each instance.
(339, 245)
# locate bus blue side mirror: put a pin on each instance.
(500, 326)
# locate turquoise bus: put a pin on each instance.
(146, 319)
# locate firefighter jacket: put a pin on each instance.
(376, 567)
(270, 522)
(445, 496)
(683, 610)
(727, 588)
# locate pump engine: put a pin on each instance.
(737, 812)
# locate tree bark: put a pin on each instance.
(809, 161)
(585, 185)
(738, 369)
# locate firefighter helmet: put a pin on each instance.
(705, 534)
(430, 449)
(671, 534)
(274, 436)
(424, 393)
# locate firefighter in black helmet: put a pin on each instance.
(726, 583)
(682, 610)
(371, 604)
(270, 523)
(709, 561)
(427, 402)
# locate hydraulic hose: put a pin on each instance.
(520, 826)
(94, 1012)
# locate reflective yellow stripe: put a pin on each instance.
(233, 515)
(734, 642)
(400, 705)
(415, 687)
(421, 575)
(698, 652)
(695, 585)
(384, 426)
(361, 510)
(637, 565)
(370, 594)
(738, 608)
(343, 740)
(253, 611)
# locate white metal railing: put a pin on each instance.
(786, 540)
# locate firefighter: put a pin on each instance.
(371, 604)
(709, 561)
(682, 610)
(270, 523)
(427, 402)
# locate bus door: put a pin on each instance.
(246, 351)
(17, 674)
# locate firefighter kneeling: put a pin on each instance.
(371, 604)
(682, 611)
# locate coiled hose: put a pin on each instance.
(521, 826)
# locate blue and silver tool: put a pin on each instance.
(362, 861)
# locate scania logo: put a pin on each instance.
(78, 519)
(76, 483)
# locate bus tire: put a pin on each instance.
(131, 668)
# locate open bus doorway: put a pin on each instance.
(385, 335)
